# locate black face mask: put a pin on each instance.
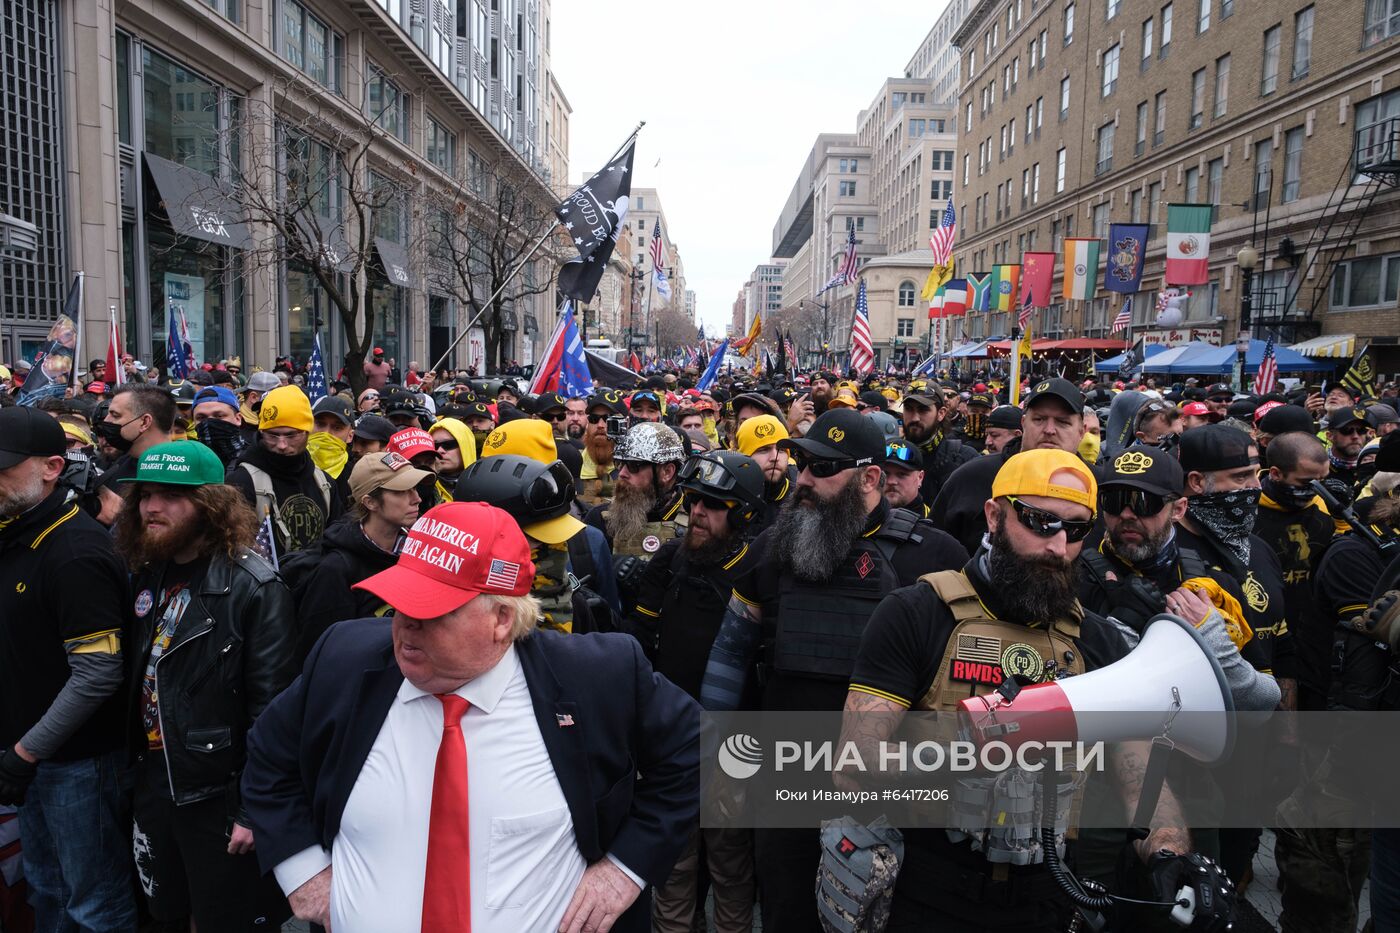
(111, 432)
(1290, 497)
(226, 440)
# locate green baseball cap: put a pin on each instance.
(179, 463)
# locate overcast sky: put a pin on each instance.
(734, 95)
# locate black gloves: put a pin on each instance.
(628, 571)
(1135, 600)
(1382, 620)
(1211, 892)
(16, 774)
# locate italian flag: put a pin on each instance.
(1188, 244)
(1081, 268)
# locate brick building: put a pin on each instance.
(1074, 114)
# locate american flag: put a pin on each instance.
(658, 263)
(316, 372)
(862, 353)
(1125, 316)
(503, 574)
(174, 355)
(1267, 377)
(942, 240)
(847, 273)
(1027, 311)
(266, 542)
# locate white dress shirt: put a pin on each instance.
(525, 862)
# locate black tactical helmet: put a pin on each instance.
(726, 474)
(530, 491)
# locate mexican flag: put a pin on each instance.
(1081, 268)
(1188, 244)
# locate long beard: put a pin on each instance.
(813, 539)
(706, 551)
(600, 449)
(22, 500)
(629, 511)
(1029, 589)
(820, 400)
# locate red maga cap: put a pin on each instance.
(410, 442)
(455, 552)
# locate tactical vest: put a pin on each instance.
(819, 624)
(648, 539)
(1001, 814)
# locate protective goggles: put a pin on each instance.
(703, 471)
(1114, 499)
(900, 453)
(1047, 524)
(549, 490)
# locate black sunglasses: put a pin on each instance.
(821, 469)
(446, 445)
(596, 418)
(1114, 499)
(1048, 524)
(633, 466)
(689, 497)
(559, 417)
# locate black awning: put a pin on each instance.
(393, 258)
(197, 205)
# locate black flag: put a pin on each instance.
(1133, 358)
(592, 216)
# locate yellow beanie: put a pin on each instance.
(287, 407)
(525, 437)
(759, 431)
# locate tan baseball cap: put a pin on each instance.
(384, 470)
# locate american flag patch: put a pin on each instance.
(502, 575)
(978, 648)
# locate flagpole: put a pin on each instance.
(521, 265)
(77, 337)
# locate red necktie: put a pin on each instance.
(447, 896)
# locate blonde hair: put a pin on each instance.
(525, 612)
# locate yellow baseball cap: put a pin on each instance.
(525, 437)
(759, 431)
(287, 407)
(1029, 473)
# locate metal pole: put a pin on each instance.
(1242, 342)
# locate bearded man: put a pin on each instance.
(835, 550)
(598, 477)
(224, 624)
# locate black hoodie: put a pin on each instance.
(324, 597)
(301, 504)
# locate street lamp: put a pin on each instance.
(1247, 257)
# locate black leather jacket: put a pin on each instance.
(232, 653)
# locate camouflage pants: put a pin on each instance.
(1322, 872)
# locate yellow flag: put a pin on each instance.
(938, 277)
(1019, 364)
(750, 341)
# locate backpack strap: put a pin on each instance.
(264, 495)
(901, 525)
(581, 563)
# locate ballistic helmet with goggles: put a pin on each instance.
(537, 495)
(732, 480)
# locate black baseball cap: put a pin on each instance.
(982, 398)
(841, 434)
(876, 400)
(1005, 416)
(1388, 457)
(1062, 389)
(753, 400)
(27, 432)
(1349, 416)
(1220, 388)
(1285, 419)
(335, 405)
(1146, 468)
(646, 395)
(1215, 447)
(784, 396)
(549, 400)
(1243, 409)
(611, 399)
(375, 428)
(901, 453)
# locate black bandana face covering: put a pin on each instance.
(226, 440)
(1228, 517)
(1292, 498)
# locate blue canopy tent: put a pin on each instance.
(1112, 364)
(1220, 361)
(1164, 362)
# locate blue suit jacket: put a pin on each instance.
(307, 748)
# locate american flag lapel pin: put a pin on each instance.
(564, 719)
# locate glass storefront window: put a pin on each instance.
(307, 300)
(124, 88)
(181, 114)
(128, 327)
(441, 329)
(388, 303)
(190, 274)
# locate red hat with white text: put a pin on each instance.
(455, 552)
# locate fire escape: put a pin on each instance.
(1373, 168)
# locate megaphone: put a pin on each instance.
(1171, 672)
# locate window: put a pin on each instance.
(855, 167)
(1135, 206)
(1203, 19)
(1292, 164)
(441, 49)
(440, 146)
(1215, 173)
(1166, 42)
(1035, 183)
(1064, 97)
(1030, 120)
(1368, 282)
(1263, 172)
(386, 105)
(916, 129)
(968, 120)
(1044, 35)
(967, 159)
(1222, 85)
(904, 327)
(1193, 185)
(1059, 171)
(1227, 7)
(1154, 202)
(1159, 118)
(1002, 154)
(1147, 26)
(1039, 113)
(1198, 97)
(1302, 42)
(1025, 187)
(1105, 160)
(1373, 127)
(312, 177)
(309, 45)
(1011, 137)
(1112, 9)
(1110, 70)
(847, 189)
(841, 169)
(1382, 20)
(1032, 52)
(1140, 145)
(1269, 81)
(941, 160)
(1069, 23)
(906, 295)
(1015, 71)
(941, 190)
(855, 223)
(1100, 218)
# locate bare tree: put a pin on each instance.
(672, 328)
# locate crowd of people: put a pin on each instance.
(433, 655)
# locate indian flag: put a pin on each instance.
(1081, 268)
(1188, 244)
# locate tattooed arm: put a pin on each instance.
(867, 721)
(1128, 762)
